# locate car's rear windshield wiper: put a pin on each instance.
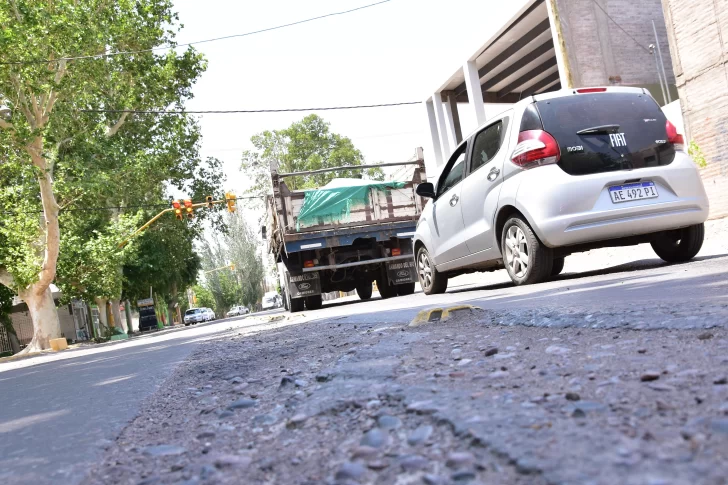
(599, 129)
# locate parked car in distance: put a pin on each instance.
(238, 311)
(209, 314)
(559, 173)
(271, 300)
(194, 315)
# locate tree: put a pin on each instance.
(305, 145)
(204, 297)
(166, 262)
(244, 284)
(55, 102)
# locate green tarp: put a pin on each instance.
(333, 205)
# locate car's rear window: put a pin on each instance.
(192, 311)
(628, 132)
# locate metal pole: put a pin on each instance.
(659, 77)
(662, 64)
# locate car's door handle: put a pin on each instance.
(493, 174)
(454, 200)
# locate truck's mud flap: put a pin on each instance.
(400, 272)
(307, 284)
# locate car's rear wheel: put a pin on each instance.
(558, 266)
(526, 259)
(679, 245)
(314, 302)
(405, 289)
(431, 280)
(364, 290)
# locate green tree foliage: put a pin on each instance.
(306, 145)
(61, 145)
(165, 261)
(205, 298)
(238, 246)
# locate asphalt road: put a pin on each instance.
(59, 413)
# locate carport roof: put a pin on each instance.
(518, 61)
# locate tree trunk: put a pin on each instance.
(129, 320)
(101, 303)
(38, 296)
(44, 315)
(118, 322)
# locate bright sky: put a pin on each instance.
(397, 51)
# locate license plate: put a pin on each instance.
(629, 192)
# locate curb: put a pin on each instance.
(441, 314)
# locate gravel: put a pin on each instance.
(574, 402)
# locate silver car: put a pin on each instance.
(560, 173)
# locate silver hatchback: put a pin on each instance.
(560, 173)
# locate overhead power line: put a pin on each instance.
(203, 41)
(234, 111)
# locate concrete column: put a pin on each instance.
(442, 123)
(475, 95)
(434, 134)
(451, 110)
(562, 60)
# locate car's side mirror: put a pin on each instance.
(426, 189)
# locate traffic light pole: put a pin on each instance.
(229, 200)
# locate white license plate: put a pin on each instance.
(629, 192)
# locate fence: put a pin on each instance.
(5, 347)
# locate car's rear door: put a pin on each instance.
(479, 197)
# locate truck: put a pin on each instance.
(346, 235)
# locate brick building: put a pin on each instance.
(698, 34)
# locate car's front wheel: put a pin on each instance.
(679, 245)
(431, 280)
(526, 259)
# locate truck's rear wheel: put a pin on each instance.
(295, 304)
(385, 289)
(405, 289)
(314, 302)
(364, 290)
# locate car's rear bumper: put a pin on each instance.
(566, 210)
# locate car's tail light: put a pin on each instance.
(674, 137)
(396, 251)
(535, 148)
(591, 90)
(308, 264)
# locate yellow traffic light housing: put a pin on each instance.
(230, 199)
(209, 201)
(177, 210)
(189, 209)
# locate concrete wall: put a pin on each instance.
(698, 32)
(600, 53)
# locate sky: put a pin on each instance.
(399, 51)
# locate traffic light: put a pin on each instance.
(230, 199)
(208, 199)
(177, 209)
(189, 209)
(232, 266)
